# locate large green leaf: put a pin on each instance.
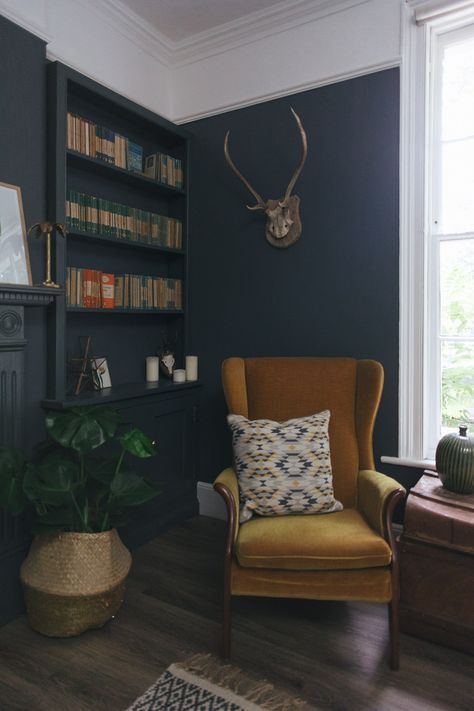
(83, 428)
(12, 472)
(130, 490)
(136, 442)
(102, 470)
(51, 483)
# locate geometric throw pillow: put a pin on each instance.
(283, 467)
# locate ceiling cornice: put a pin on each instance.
(250, 28)
(283, 16)
(134, 28)
(255, 26)
(16, 16)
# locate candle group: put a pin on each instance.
(180, 375)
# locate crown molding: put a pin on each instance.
(255, 26)
(250, 28)
(58, 57)
(133, 28)
(283, 16)
(16, 16)
(324, 81)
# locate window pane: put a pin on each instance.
(458, 91)
(457, 391)
(457, 287)
(457, 187)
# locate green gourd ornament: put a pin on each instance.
(455, 461)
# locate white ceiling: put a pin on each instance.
(179, 20)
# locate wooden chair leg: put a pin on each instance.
(227, 623)
(394, 627)
(394, 604)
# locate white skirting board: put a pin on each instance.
(210, 503)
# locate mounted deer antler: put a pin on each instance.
(283, 226)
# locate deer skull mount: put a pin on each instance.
(283, 226)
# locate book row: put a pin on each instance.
(97, 216)
(165, 169)
(93, 289)
(91, 139)
(97, 141)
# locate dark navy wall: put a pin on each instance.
(22, 162)
(335, 292)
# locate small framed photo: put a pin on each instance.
(100, 373)
(167, 363)
(14, 256)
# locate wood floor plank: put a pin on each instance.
(332, 654)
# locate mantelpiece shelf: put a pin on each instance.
(118, 393)
(125, 242)
(112, 171)
(17, 295)
(84, 310)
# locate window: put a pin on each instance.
(437, 226)
(449, 245)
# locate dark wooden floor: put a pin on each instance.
(331, 654)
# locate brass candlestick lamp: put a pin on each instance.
(47, 228)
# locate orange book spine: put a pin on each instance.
(86, 289)
(97, 290)
(108, 290)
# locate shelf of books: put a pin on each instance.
(117, 175)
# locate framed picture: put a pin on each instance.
(100, 373)
(167, 363)
(14, 256)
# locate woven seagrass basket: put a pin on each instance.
(74, 581)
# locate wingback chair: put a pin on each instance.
(346, 555)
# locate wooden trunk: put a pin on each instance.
(437, 565)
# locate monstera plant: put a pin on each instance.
(69, 487)
(74, 575)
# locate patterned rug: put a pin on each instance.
(203, 683)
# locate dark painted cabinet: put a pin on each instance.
(172, 422)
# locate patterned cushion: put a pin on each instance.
(283, 467)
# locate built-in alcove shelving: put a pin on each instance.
(125, 336)
(167, 412)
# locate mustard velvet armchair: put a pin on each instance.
(346, 555)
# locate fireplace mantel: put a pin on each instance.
(13, 295)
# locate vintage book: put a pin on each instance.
(150, 166)
(135, 157)
(107, 289)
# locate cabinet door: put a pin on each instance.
(172, 424)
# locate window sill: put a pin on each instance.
(408, 462)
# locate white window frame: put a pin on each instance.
(416, 261)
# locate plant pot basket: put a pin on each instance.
(74, 581)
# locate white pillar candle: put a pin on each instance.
(152, 369)
(191, 367)
(179, 376)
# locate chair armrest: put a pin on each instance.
(227, 486)
(377, 496)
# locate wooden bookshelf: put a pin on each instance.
(126, 391)
(166, 411)
(113, 172)
(76, 234)
(70, 170)
(109, 312)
